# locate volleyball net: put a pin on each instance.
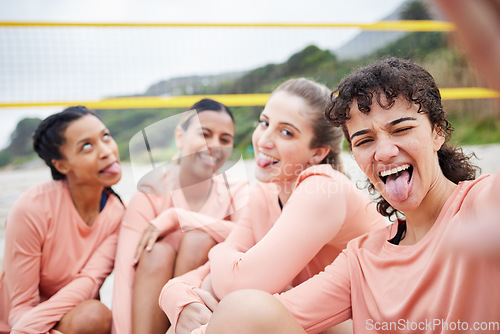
(148, 65)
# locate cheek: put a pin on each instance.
(363, 161)
(255, 137)
(196, 143)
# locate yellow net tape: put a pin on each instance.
(236, 100)
(409, 25)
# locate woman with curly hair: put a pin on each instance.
(406, 277)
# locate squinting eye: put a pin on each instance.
(287, 133)
(106, 136)
(401, 130)
(264, 123)
(361, 142)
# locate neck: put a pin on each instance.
(195, 192)
(285, 190)
(87, 200)
(421, 220)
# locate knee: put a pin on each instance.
(197, 243)
(251, 310)
(92, 316)
(161, 255)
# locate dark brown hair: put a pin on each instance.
(392, 78)
(49, 137)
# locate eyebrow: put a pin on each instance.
(283, 123)
(88, 138)
(400, 120)
(388, 125)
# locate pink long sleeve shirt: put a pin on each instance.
(424, 288)
(164, 205)
(271, 248)
(53, 260)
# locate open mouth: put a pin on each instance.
(208, 158)
(396, 172)
(264, 160)
(397, 182)
(111, 169)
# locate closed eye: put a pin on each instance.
(362, 142)
(402, 130)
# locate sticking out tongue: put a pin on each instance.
(112, 169)
(262, 163)
(397, 186)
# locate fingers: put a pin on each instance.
(209, 300)
(149, 237)
(478, 31)
(193, 316)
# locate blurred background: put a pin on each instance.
(139, 62)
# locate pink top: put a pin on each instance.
(53, 260)
(163, 204)
(323, 213)
(424, 288)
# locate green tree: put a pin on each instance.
(21, 138)
(415, 10)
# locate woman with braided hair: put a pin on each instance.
(61, 235)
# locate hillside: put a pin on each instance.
(474, 120)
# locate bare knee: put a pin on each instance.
(193, 251)
(197, 244)
(90, 316)
(252, 311)
(161, 256)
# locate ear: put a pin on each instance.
(61, 166)
(438, 138)
(319, 153)
(179, 134)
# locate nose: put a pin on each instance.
(105, 149)
(265, 139)
(385, 150)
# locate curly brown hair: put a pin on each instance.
(392, 78)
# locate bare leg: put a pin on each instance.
(193, 251)
(153, 271)
(342, 328)
(90, 316)
(252, 311)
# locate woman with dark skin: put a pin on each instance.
(61, 235)
(155, 244)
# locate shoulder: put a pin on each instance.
(372, 241)
(230, 181)
(154, 182)
(37, 205)
(324, 179)
(475, 185)
(324, 171)
(43, 192)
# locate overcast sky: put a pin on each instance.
(87, 64)
(198, 10)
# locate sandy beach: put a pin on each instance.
(16, 181)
